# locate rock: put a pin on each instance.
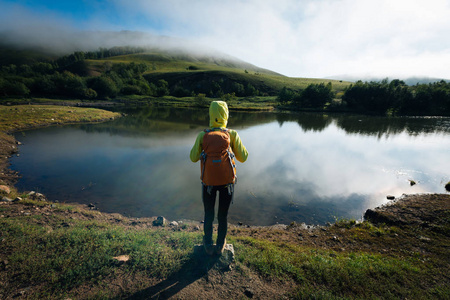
(36, 196)
(412, 182)
(160, 221)
(6, 199)
(174, 223)
(39, 196)
(249, 293)
(424, 238)
(221, 262)
(122, 258)
(5, 189)
(390, 197)
(17, 199)
(227, 258)
(412, 210)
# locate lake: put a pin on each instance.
(302, 167)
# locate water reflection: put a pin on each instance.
(304, 167)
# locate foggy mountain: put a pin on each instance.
(408, 80)
(49, 44)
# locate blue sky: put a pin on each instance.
(298, 38)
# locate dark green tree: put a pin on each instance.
(104, 86)
(315, 95)
(162, 88)
(285, 95)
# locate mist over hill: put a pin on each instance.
(22, 46)
(408, 80)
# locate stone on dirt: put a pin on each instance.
(36, 196)
(160, 221)
(122, 258)
(5, 189)
(221, 262)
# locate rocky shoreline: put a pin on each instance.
(8, 148)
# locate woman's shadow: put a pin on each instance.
(195, 268)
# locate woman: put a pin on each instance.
(217, 147)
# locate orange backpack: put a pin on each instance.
(217, 158)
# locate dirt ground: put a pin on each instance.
(8, 147)
(202, 279)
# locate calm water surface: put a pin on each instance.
(302, 167)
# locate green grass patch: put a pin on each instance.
(326, 274)
(76, 248)
(26, 116)
(83, 253)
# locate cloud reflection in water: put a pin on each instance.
(304, 168)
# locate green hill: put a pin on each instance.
(146, 71)
(186, 71)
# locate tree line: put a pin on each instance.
(45, 79)
(383, 97)
(70, 76)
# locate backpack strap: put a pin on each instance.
(203, 158)
(216, 128)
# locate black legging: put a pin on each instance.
(209, 201)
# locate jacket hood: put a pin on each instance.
(218, 114)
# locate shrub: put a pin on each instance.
(14, 89)
(285, 95)
(130, 90)
(229, 97)
(104, 86)
(201, 100)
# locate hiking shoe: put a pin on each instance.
(220, 247)
(209, 248)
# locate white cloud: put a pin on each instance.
(316, 38)
(306, 38)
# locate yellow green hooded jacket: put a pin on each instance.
(218, 118)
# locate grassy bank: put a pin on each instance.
(21, 117)
(236, 103)
(57, 250)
